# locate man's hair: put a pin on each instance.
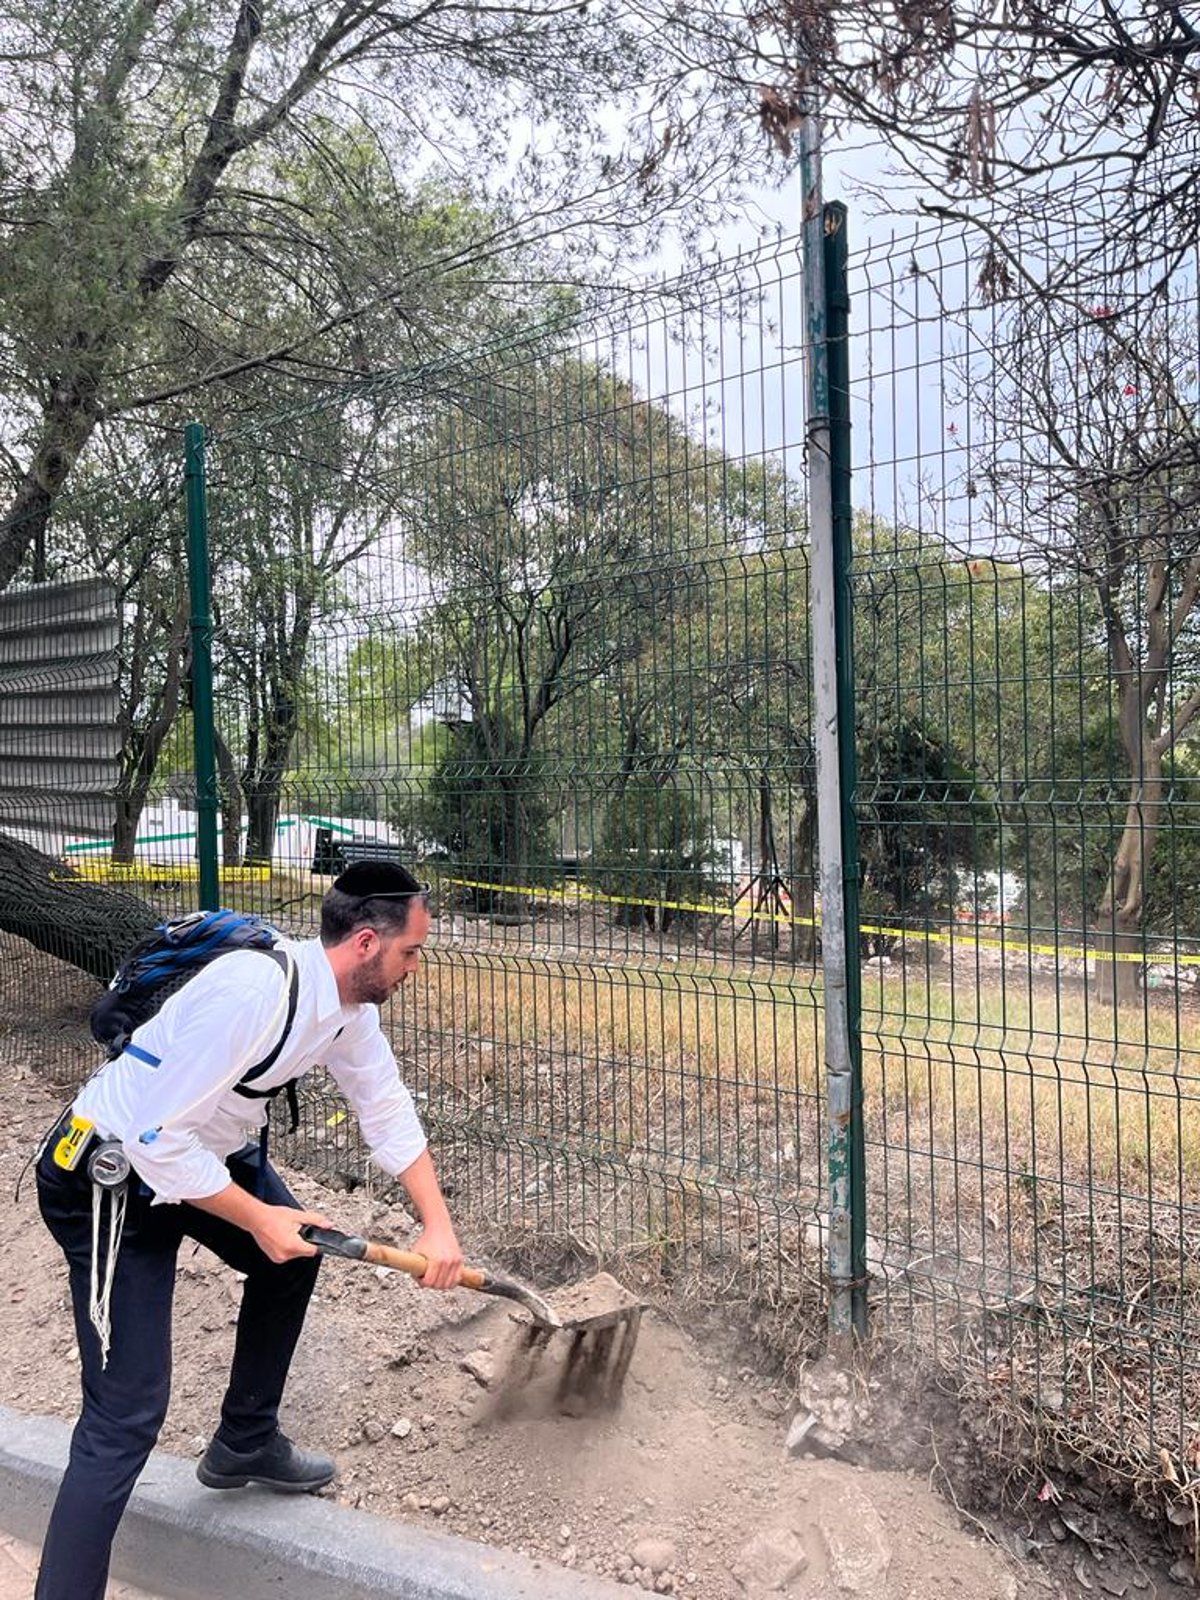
(342, 914)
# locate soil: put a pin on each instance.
(686, 1488)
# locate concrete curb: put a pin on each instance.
(186, 1542)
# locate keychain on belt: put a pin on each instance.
(109, 1169)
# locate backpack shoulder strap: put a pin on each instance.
(293, 976)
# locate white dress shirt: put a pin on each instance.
(179, 1120)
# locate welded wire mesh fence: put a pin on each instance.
(536, 621)
(534, 618)
(1025, 599)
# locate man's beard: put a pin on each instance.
(367, 983)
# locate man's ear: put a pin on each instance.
(366, 942)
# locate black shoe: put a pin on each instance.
(278, 1465)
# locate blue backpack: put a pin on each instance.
(170, 955)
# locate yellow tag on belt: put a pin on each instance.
(68, 1152)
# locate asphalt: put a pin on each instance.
(184, 1542)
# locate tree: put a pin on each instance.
(157, 152)
(1098, 450)
(131, 526)
(302, 502)
(86, 924)
(488, 810)
(553, 549)
(1025, 121)
(924, 819)
(655, 849)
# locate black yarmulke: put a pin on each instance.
(365, 878)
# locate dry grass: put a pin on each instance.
(1046, 1083)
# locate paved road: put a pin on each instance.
(18, 1564)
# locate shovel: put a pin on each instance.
(600, 1315)
(385, 1255)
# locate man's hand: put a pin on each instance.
(440, 1247)
(275, 1229)
(437, 1243)
(277, 1232)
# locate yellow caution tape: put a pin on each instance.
(150, 872)
(931, 936)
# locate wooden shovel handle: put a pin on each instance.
(383, 1255)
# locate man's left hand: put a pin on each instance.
(440, 1247)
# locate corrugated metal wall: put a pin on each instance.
(59, 740)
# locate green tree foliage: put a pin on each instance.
(559, 550)
(489, 814)
(924, 821)
(161, 163)
(655, 851)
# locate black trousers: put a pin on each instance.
(125, 1401)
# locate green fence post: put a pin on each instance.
(200, 588)
(837, 336)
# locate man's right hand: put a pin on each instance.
(275, 1229)
(278, 1233)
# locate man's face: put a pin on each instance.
(389, 958)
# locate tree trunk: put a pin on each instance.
(231, 802)
(1123, 904)
(128, 808)
(262, 813)
(263, 791)
(67, 425)
(86, 924)
(131, 798)
(803, 890)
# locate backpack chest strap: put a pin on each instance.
(265, 1065)
(268, 1061)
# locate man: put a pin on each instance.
(172, 1101)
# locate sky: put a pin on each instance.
(737, 369)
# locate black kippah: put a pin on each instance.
(362, 879)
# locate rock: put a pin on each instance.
(769, 1405)
(411, 1502)
(481, 1364)
(1184, 1572)
(809, 1436)
(440, 1504)
(401, 1428)
(772, 1559)
(801, 1426)
(373, 1431)
(655, 1555)
(854, 1539)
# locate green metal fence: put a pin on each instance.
(538, 616)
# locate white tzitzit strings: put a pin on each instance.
(101, 1293)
